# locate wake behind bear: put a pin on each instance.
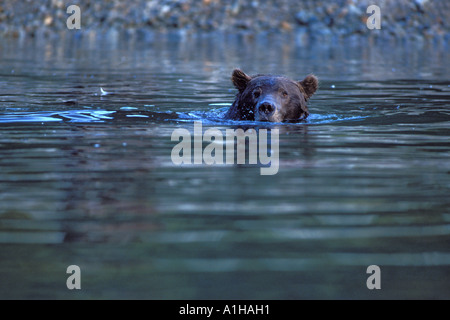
(270, 98)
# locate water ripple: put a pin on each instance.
(422, 259)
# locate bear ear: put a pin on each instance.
(309, 85)
(240, 79)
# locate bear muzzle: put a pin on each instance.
(267, 111)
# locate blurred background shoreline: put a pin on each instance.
(324, 20)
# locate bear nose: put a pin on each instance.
(266, 108)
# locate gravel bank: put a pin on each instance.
(399, 19)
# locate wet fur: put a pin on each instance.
(292, 108)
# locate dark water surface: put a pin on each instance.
(86, 176)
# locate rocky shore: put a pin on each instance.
(343, 18)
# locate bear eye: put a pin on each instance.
(284, 94)
(257, 92)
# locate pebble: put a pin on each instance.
(343, 18)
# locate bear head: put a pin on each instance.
(271, 98)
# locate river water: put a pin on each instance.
(87, 178)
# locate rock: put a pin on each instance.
(48, 20)
(401, 18)
(305, 18)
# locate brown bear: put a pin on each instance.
(270, 98)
